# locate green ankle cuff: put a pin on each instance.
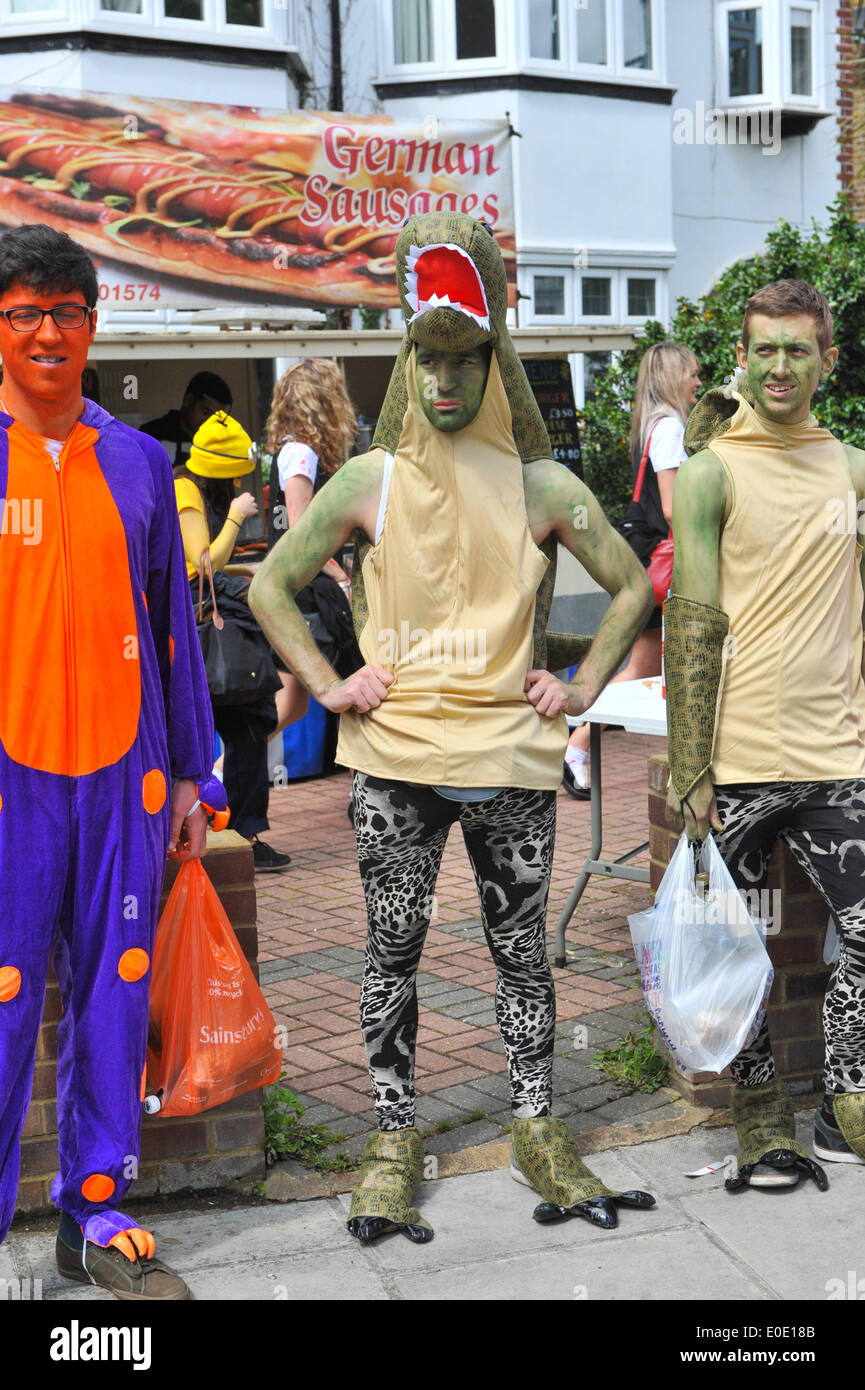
(544, 1152)
(849, 1111)
(764, 1120)
(391, 1171)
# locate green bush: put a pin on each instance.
(832, 258)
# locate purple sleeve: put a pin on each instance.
(188, 714)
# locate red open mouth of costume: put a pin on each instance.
(445, 276)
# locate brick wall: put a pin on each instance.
(845, 49)
(197, 1151)
(795, 1007)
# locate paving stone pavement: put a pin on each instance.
(718, 1259)
(312, 927)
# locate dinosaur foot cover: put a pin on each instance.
(391, 1172)
(546, 1159)
(766, 1129)
(849, 1109)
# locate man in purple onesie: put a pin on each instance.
(103, 704)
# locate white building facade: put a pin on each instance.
(654, 141)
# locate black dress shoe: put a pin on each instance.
(572, 786)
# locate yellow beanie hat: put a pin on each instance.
(221, 448)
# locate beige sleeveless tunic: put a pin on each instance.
(451, 588)
(792, 701)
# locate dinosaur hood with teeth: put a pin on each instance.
(454, 295)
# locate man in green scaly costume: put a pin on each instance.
(456, 715)
(765, 693)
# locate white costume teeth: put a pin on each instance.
(438, 300)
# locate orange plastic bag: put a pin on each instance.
(212, 1036)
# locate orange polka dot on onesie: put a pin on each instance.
(10, 983)
(97, 1188)
(133, 964)
(153, 791)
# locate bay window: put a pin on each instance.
(769, 53)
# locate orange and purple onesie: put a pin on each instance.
(103, 700)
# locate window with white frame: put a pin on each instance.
(561, 293)
(622, 36)
(236, 21)
(596, 296)
(745, 51)
(591, 33)
(641, 297)
(475, 23)
(247, 13)
(801, 51)
(616, 38)
(413, 39)
(637, 33)
(769, 52)
(549, 296)
(544, 30)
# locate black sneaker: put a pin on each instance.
(829, 1142)
(573, 787)
(268, 860)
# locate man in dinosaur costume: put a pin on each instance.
(765, 696)
(455, 717)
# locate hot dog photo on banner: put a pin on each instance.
(183, 202)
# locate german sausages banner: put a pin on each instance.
(186, 204)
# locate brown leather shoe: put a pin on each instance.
(105, 1266)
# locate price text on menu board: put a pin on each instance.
(228, 203)
(550, 380)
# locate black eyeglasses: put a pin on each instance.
(27, 320)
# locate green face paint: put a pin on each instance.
(450, 385)
(784, 365)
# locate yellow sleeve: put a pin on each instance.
(196, 532)
(188, 495)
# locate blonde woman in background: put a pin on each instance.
(667, 386)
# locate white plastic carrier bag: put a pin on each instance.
(704, 968)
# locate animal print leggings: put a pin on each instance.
(401, 829)
(823, 823)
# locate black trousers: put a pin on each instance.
(244, 772)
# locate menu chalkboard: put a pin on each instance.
(550, 380)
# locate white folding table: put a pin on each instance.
(640, 709)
